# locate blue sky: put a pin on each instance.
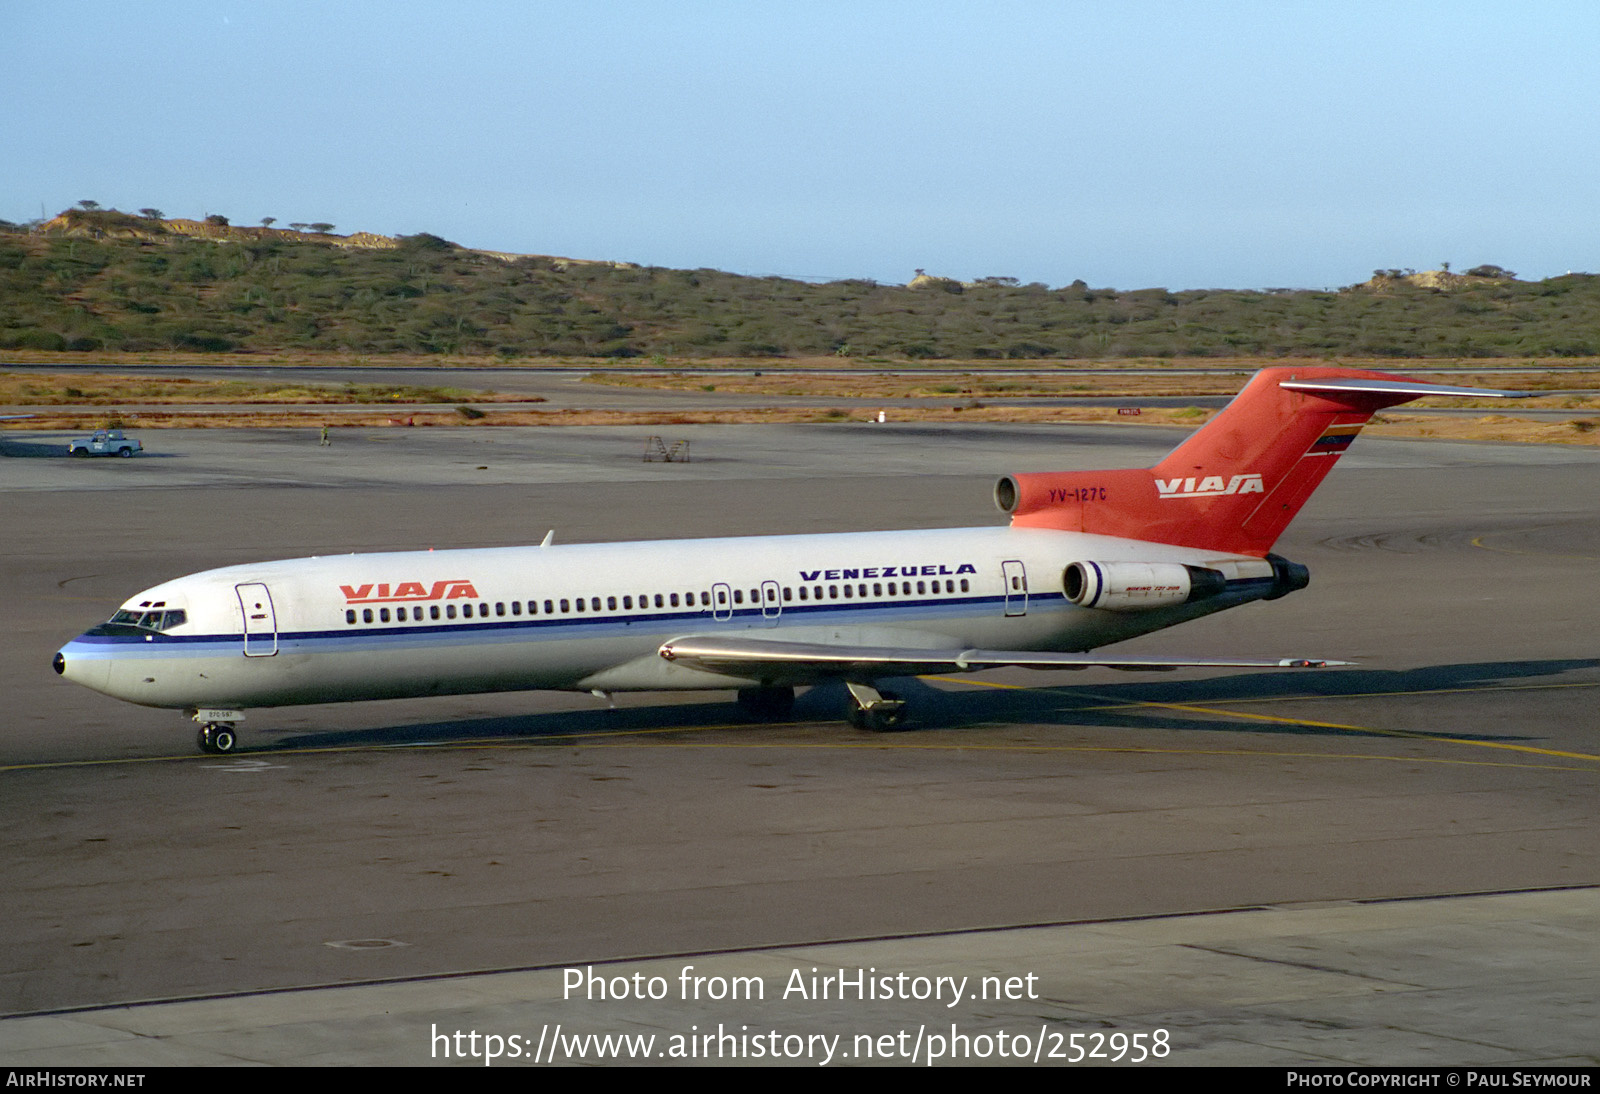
(1130, 144)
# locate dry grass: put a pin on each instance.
(102, 389)
(1493, 428)
(1563, 366)
(976, 385)
(824, 379)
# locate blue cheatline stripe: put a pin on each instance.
(363, 634)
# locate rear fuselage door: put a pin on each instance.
(260, 621)
(1016, 579)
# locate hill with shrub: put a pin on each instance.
(94, 279)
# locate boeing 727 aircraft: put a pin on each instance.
(1090, 558)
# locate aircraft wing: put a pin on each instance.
(758, 658)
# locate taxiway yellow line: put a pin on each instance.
(1477, 541)
(1116, 704)
(619, 739)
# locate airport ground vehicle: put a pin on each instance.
(105, 442)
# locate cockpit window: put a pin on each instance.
(152, 621)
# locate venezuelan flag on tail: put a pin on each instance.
(1234, 485)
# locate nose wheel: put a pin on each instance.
(218, 738)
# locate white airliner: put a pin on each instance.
(1090, 558)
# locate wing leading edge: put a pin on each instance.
(756, 658)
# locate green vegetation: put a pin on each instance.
(166, 291)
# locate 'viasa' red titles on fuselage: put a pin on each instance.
(408, 591)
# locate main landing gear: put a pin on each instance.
(879, 711)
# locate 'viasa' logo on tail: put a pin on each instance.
(1211, 486)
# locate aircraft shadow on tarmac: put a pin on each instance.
(1092, 705)
(1070, 704)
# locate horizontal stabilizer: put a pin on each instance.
(801, 661)
(1401, 390)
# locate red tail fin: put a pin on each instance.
(1236, 483)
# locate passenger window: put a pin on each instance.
(627, 603)
(611, 603)
(350, 616)
(499, 608)
(433, 612)
(673, 600)
(722, 598)
(922, 587)
(549, 607)
(802, 592)
(483, 611)
(660, 602)
(383, 615)
(565, 607)
(705, 600)
(787, 593)
(877, 589)
(848, 592)
(450, 611)
(516, 607)
(738, 596)
(366, 615)
(594, 603)
(964, 585)
(579, 603)
(466, 611)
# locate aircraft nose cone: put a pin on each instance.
(73, 664)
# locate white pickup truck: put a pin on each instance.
(105, 442)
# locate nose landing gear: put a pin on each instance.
(217, 734)
(217, 737)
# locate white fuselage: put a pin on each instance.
(594, 616)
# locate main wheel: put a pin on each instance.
(881, 717)
(885, 720)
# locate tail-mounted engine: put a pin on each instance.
(1139, 586)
